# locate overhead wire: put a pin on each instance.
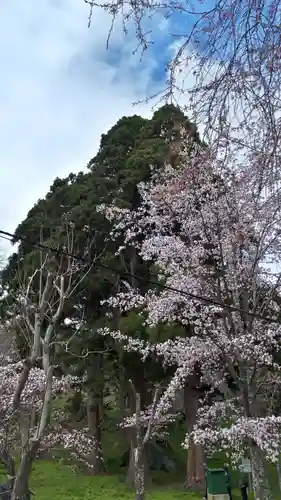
(98, 264)
(5, 238)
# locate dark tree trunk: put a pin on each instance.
(21, 483)
(130, 478)
(95, 411)
(125, 410)
(94, 424)
(195, 473)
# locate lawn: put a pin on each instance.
(55, 481)
(51, 480)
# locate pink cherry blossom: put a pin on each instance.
(211, 229)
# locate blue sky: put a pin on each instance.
(60, 90)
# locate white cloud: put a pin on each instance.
(57, 95)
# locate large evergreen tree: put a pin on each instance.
(125, 157)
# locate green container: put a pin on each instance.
(217, 482)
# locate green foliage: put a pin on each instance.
(126, 153)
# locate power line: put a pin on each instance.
(6, 235)
(5, 238)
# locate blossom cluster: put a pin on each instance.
(80, 443)
(263, 431)
(34, 389)
(210, 229)
(146, 417)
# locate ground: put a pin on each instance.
(55, 481)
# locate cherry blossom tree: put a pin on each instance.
(223, 67)
(211, 226)
(27, 388)
(24, 429)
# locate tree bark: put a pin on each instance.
(124, 406)
(24, 425)
(278, 471)
(94, 411)
(21, 483)
(195, 473)
(260, 480)
(94, 424)
(138, 470)
(31, 446)
(131, 435)
(130, 477)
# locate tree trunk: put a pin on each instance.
(125, 407)
(24, 425)
(278, 471)
(260, 480)
(31, 447)
(132, 468)
(137, 468)
(131, 434)
(95, 387)
(195, 472)
(21, 483)
(138, 477)
(130, 477)
(94, 424)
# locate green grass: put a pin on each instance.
(52, 480)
